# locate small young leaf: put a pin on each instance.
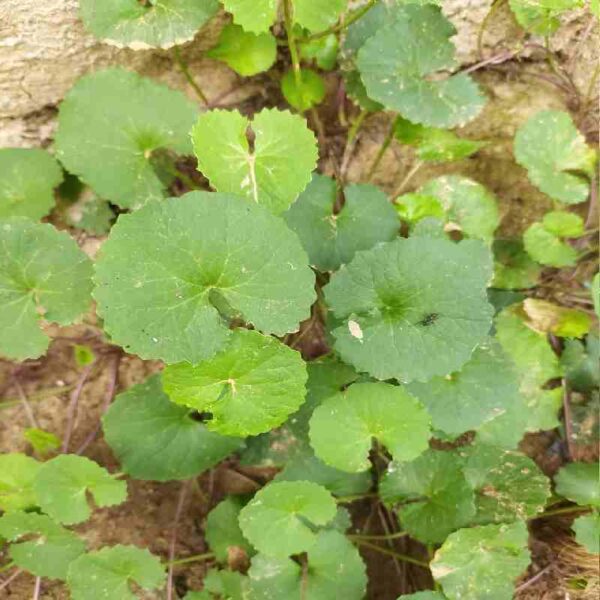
(366, 218)
(250, 387)
(483, 389)
(414, 207)
(305, 94)
(398, 66)
(43, 442)
(323, 51)
(557, 159)
(508, 485)
(172, 275)
(467, 204)
(563, 224)
(146, 24)
(108, 573)
(49, 548)
(62, 484)
(157, 440)
(541, 17)
(245, 52)
(580, 363)
(546, 317)
(547, 248)
(27, 181)
(343, 427)
(482, 563)
(229, 585)
(222, 529)
(513, 268)
(412, 308)
(587, 532)
(253, 15)
(579, 482)
(43, 274)
(280, 519)
(434, 496)
(17, 474)
(109, 125)
(334, 570)
(273, 172)
(84, 355)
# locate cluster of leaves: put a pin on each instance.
(214, 283)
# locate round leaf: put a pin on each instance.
(334, 570)
(250, 387)
(245, 52)
(556, 156)
(467, 203)
(316, 15)
(172, 275)
(273, 172)
(587, 532)
(43, 275)
(309, 92)
(145, 24)
(483, 389)
(366, 218)
(563, 224)
(398, 63)
(277, 521)
(109, 572)
(547, 248)
(343, 427)
(253, 15)
(17, 474)
(109, 125)
(49, 548)
(157, 440)
(222, 529)
(482, 563)
(434, 496)
(412, 308)
(579, 482)
(62, 485)
(414, 207)
(27, 180)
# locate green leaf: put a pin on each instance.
(343, 427)
(433, 495)
(334, 570)
(508, 485)
(17, 474)
(414, 207)
(587, 532)
(485, 387)
(557, 159)
(332, 239)
(482, 563)
(109, 125)
(62, 485)
(277, 521)
(91, 214)
(43, 442)
(563, 224)
(316, 15)
(513, 269)
(157, 440)
(309, 92)
(245, 52)
(546, 317)
(43, 276)
(323, 51)
(579, 482)
(222, 529)
(427, 595)
(83, 355)
(434, 144)
(399, 66)
(173, 274)
(253, 15)
(109, 572)
(412, 308)
(580, 363)
(250, 387)
(596, 293)
(467, 204)
(27, 181)
(541, 17)
(264, 174)
(152, 23)
(547, 248)
(229, 585)
(49, 548)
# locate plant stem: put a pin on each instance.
(72, 408)
(486, 20)
(173, 542)
(560, 511)
(186, 73)
(347, 499)
(7, 566)
(189, 559)
(567, 417)
(7, 582)
(37, 396)
(25, 402)
(413, 171)
(384, 146)
(398, 556)
(391, 536)
(288, 15)
(172, 169)
(37, 589)
(352, 17)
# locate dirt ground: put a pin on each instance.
(517, 88)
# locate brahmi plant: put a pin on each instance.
(442, 354)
